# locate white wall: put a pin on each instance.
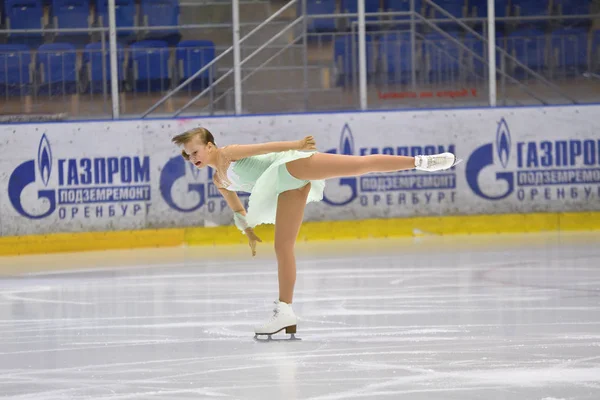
(66, 176)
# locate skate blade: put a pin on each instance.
(269, 338)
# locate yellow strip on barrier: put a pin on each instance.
(327, 230)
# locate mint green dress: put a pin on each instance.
(265, 177)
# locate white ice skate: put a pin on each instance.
(283, 318)
(436, 162)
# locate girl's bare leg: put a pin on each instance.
(290, 212)
(325, 165)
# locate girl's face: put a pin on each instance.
(200, 153)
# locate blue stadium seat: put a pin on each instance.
(346, 59)
(454, 7)
(479, 47)
(478, 8)
(531, 7)
(529, 47)
(161, 13)
(191, 56)
(395, 57)
(596, 51)
(401, 6)
(56, 63)
(15, 67)
(316, 7)
(125, 15)
(351, 6)
(569, 51)
(443, 57)
(574, 7)
(150, 63)
(92, 64)
(24, 14)
(71, 14)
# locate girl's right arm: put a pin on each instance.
(234, 202)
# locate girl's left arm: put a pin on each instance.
(237, 152)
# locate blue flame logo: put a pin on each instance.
(346, 141)
(45, 159)
(503, 142)
(347, 148)
(483, 157)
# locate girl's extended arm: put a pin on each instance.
(238, 152)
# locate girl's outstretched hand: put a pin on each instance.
(308, 143)
(252, 239)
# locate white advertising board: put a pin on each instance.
(84, 176)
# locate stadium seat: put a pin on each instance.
(401, 6)
(92, 64)
(161, 13)
(15, 70)
(56, 63)
(191, 56)
(574, 7)
(477, 67)
(346, 59)
(395, 57)
(569, 51)
(596, 51)
(24, 14)
(455, 7)
(530, 7)
(443, 57)
(351, 6)
(478, 9)
(316, 7)
(71, 14)
(125, 15)
(529, 47)
(150, 65)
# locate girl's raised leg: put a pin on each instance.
(325, 165)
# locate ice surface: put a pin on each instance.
(490, 317)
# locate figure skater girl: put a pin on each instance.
(282, 177)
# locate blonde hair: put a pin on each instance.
(186, 136)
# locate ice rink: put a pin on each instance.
(464, 317)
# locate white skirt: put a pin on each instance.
(262, 205)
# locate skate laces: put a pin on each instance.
(275, 311)
(432, 161)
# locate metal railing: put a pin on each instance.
(223, 54)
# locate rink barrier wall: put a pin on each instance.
(127, 176)
(310, 231)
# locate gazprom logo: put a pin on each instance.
(80, 187)
(503, 142)
(24, 175)
(180, 194)
(346, 141)
(347, 148)
(45, 159)
(483, 158)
